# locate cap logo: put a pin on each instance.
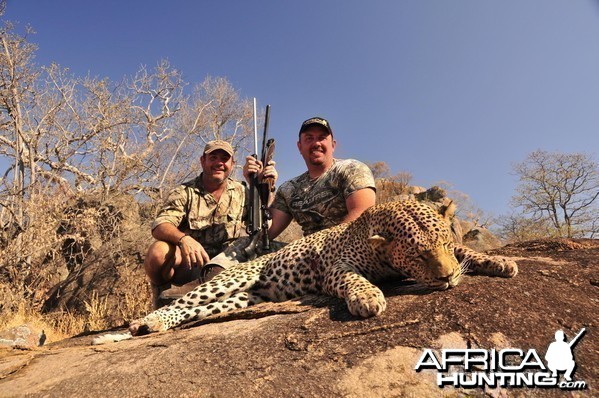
(316, 120)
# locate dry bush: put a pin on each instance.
(135, 297)
(108, 282)
(24, 257)
(85, 248)
(519, 228)
(387, 191)
(77, 148)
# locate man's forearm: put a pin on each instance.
(167, 232)
(280, 221)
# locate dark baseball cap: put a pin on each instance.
(316, 121)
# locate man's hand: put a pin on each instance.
(192, 252)
(270, 171)
(252, 165)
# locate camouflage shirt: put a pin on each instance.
(196, 212)
(320, 203)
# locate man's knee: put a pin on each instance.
(159, 261)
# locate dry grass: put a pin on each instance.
(60, 325)
(97, 312)
(55, 328)
(70, 236)
(135, 301)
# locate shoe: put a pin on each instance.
(209, 271)
(157, 290)
(206, 273)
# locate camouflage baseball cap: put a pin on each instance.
(218, 144)
(316, 121)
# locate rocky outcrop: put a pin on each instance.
(23, 337)
(479, 238)
(314, 348)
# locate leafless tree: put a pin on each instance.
(380, 169)
(17, 79)
(141, 135)
(561, 188)
(214, 110)
(517, 228)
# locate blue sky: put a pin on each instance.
(448, 90)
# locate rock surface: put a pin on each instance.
(314, 348)
(23, 336)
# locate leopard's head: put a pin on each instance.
(418, 243)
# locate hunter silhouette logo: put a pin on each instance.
(510, 367)
(559, 355)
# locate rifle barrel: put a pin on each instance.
(255, 130)
(578, 336)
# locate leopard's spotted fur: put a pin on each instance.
(405, 238)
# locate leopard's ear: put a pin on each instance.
(378, 241)
(447, 211)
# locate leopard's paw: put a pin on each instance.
(496, 266)
(505, 267)
(366, 304)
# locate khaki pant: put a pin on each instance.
(241, 250)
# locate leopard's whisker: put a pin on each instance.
(465, 265)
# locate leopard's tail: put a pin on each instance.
(111, 338)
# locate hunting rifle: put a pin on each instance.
(260, 189)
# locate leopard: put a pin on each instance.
(405, 239)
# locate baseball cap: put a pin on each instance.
(316, 121)
(218, 144)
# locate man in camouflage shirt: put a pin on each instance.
(330, 192)
(198, 221)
